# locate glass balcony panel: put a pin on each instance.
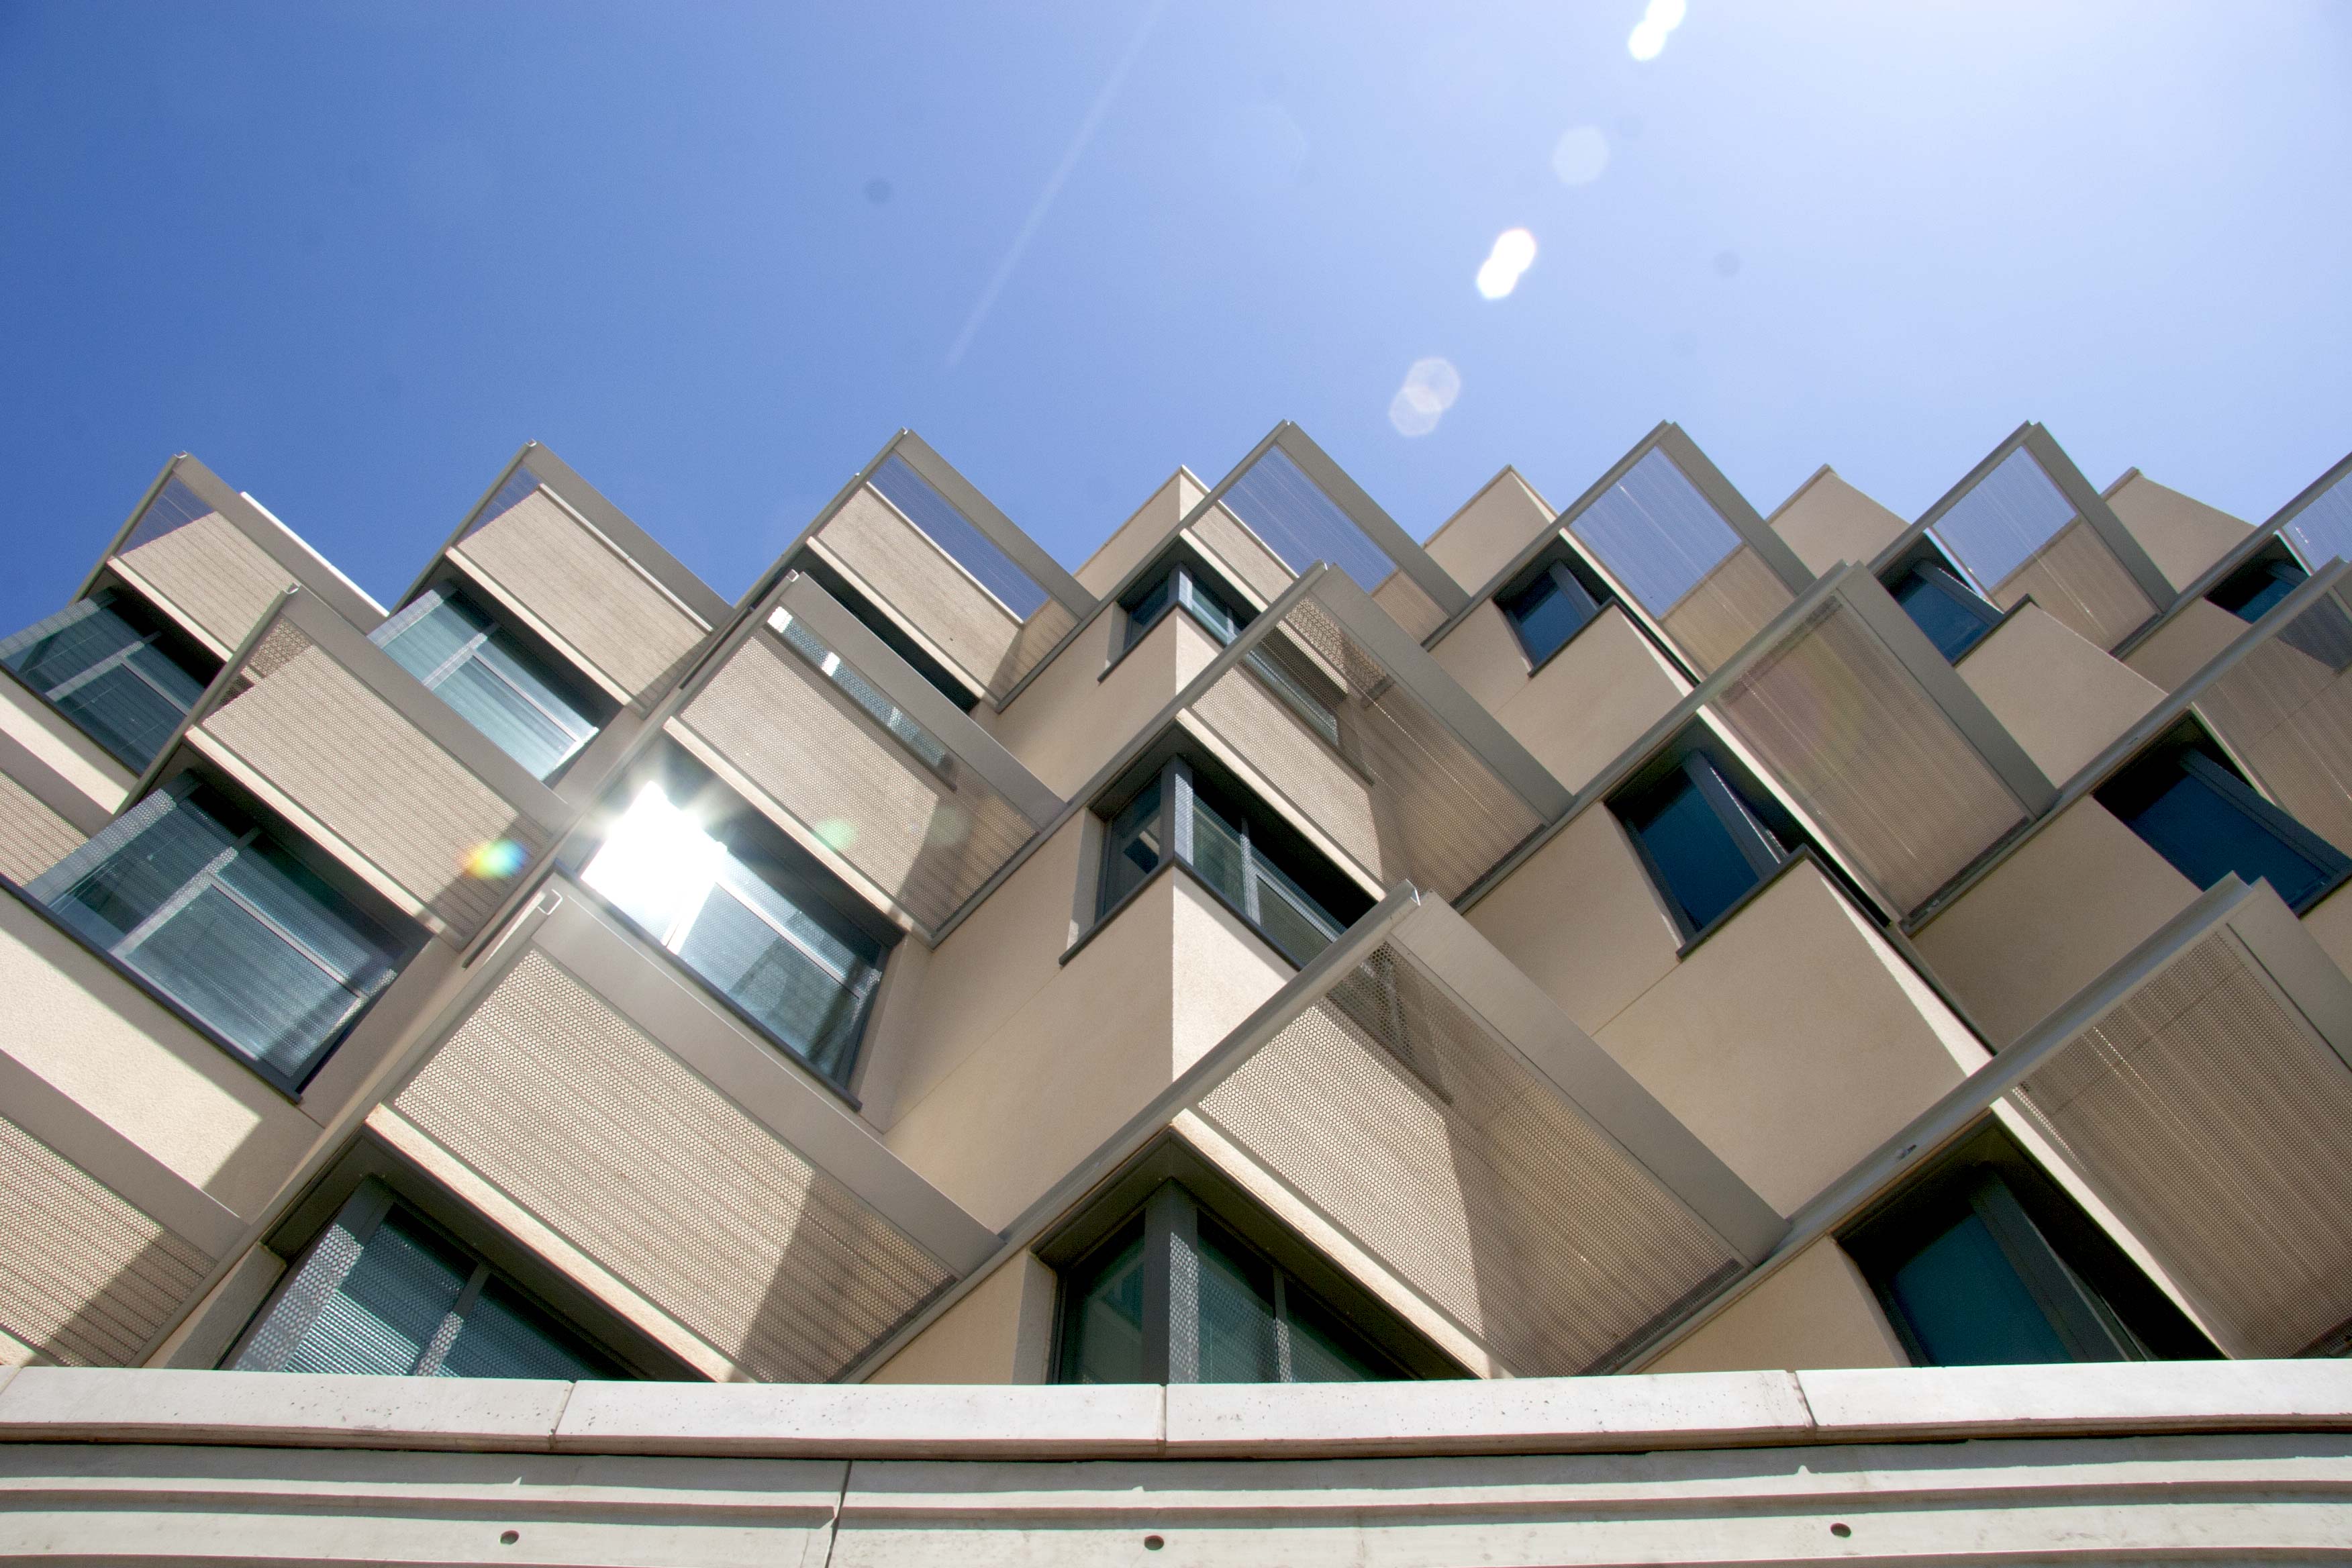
(203, 566)
(2004, 519)
(2322, 529)
(958, 535)
(1323, 1349)
(1301, 524)
(2285, 709)
(1656, 534)
(2079, 580)
(107, 676)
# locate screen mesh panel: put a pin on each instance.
(1655, 532)
(633, 1158)
(1868, 755)
(2004, 518)
(32, 837)
(1252, 565)
(583, 590)
(946, 526)
(1300, 524)
(2323, 529)
(2287, 707)
(927, 841)
(85, 1278)
(2077, 578)
(210, 571)
(1401, 791)
(1715, 619)
(915, 578)
(1392, 1111)
(2207, 1114)
(342, 754)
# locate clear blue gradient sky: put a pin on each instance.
(353, 255)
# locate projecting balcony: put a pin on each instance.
(550, 550)
(810, 717)
(328, 732)
(591, 1098)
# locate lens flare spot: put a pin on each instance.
(838, 836)
(497, 860)
(1514, 253)
(1429, 390)
(1579, 155)
(1649, 35)
(948, 826)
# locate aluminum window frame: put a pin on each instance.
(2271, 531)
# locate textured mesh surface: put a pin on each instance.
(2323, 529)
(1301, 524)
(32, 837)
(2077, 579)
(2004, 518)
(2219, 1128)
(342, 754)
(214, 573)
(631, 1157)
(1392, 1111)
(1715, 619)
(582, 590)
(928, 842)
(1868, 755)
(2287, 707)
(1401, 792)
(1252, 565)
(1655, 532)
(84, 1276)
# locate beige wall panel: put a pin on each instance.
(1025, 1109)
(85, 1278)
(1301, 771)
(1598, 696)
(2061, 698)
(32, 837)
(1040, 635)
(999, 1333)
(2290, 716)
(1792, 1041)
(2049, 920)
(1482, 655)
(73, 756)
(1828, 520)
(916, 580)
(1136, 538)
(213, 574)
(1580, 919)
(2078, 580)
(312, 731)
(2329, 921)
(2182, 535)
(1224, 538)
(1817, 1312)
(1490, 530)
(1725, 608)
(2186, 644)
(1408, 607)
(103, 1044)
(579, 588)
(1073, 718)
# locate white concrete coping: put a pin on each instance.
(1531, 1415)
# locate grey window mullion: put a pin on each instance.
(207, 876)
(1762, 855)
(117, 659)
(1176, 808)
(1171, 1287)
(445, 1334)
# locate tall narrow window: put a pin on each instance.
(108, 664)
(2208, 823)
(490, 678)
(205, 905)
(1952, 615)
(1179, 587)
(1705, 843)
(384, 1292)
(871, 699)
(759, 932)
(1549, 610)
(2249, 591)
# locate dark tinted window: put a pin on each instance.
(110, 665)
(1548, 611)
(1943, 607)
(2251, 591)
(2208, 823)
(1703, 841)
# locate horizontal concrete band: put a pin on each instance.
(1532, 1416)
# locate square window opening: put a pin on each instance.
(499, 678)
(2189, 803)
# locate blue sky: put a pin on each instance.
(353, 255)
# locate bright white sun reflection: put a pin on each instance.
(657, 864)
(1429, 390)
(1514, 253)
(1649, 35)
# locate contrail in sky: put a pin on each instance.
(1054, 183)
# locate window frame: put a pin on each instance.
(1937, 575)
(518, 641)
(2276, 569)
(2188, 748)
(1565, 574)
(1759, 843)
(153, 629)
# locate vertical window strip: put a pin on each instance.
(869, 697)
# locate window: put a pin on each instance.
(1218, 1310)
(1704, 838)
(207, 907)
(2251, 591)
(869, 697)
(1549, 609)
(1951, 612)
(1984, 1262)
(748, 914)
(1232, 849)
(893, 635)
(384, 1292)
(111, 666)
(2188, 805)
(489, 677)
(1180, 586)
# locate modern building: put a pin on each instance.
(1644, 937)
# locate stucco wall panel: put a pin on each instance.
(1580, 919)
(2061, 698)
(1816, 1312)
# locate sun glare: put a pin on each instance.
(1649, 35)
(1429, 390)
(657, 863)
(1514, 253)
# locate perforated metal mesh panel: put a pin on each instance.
(1868, 754)
(2077, 579)
(630, 1156)
(213, 574)
(583, 590)
(1399, 791)
(1725, 609)
(2207, 1113)
(85, 1278)
(1392, 1111)
(2287, 707)
(927, 841)
(342, 754)
(32, 837)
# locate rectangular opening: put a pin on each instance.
(2189, 803)
(116, 669)
(1549, 603)
(2251, 591)
(1952, 614)
(499, 677)
(1707, 834)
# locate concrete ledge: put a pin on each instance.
(1525, 1416)
(1529, 1417)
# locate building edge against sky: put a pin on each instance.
(1649, 936)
